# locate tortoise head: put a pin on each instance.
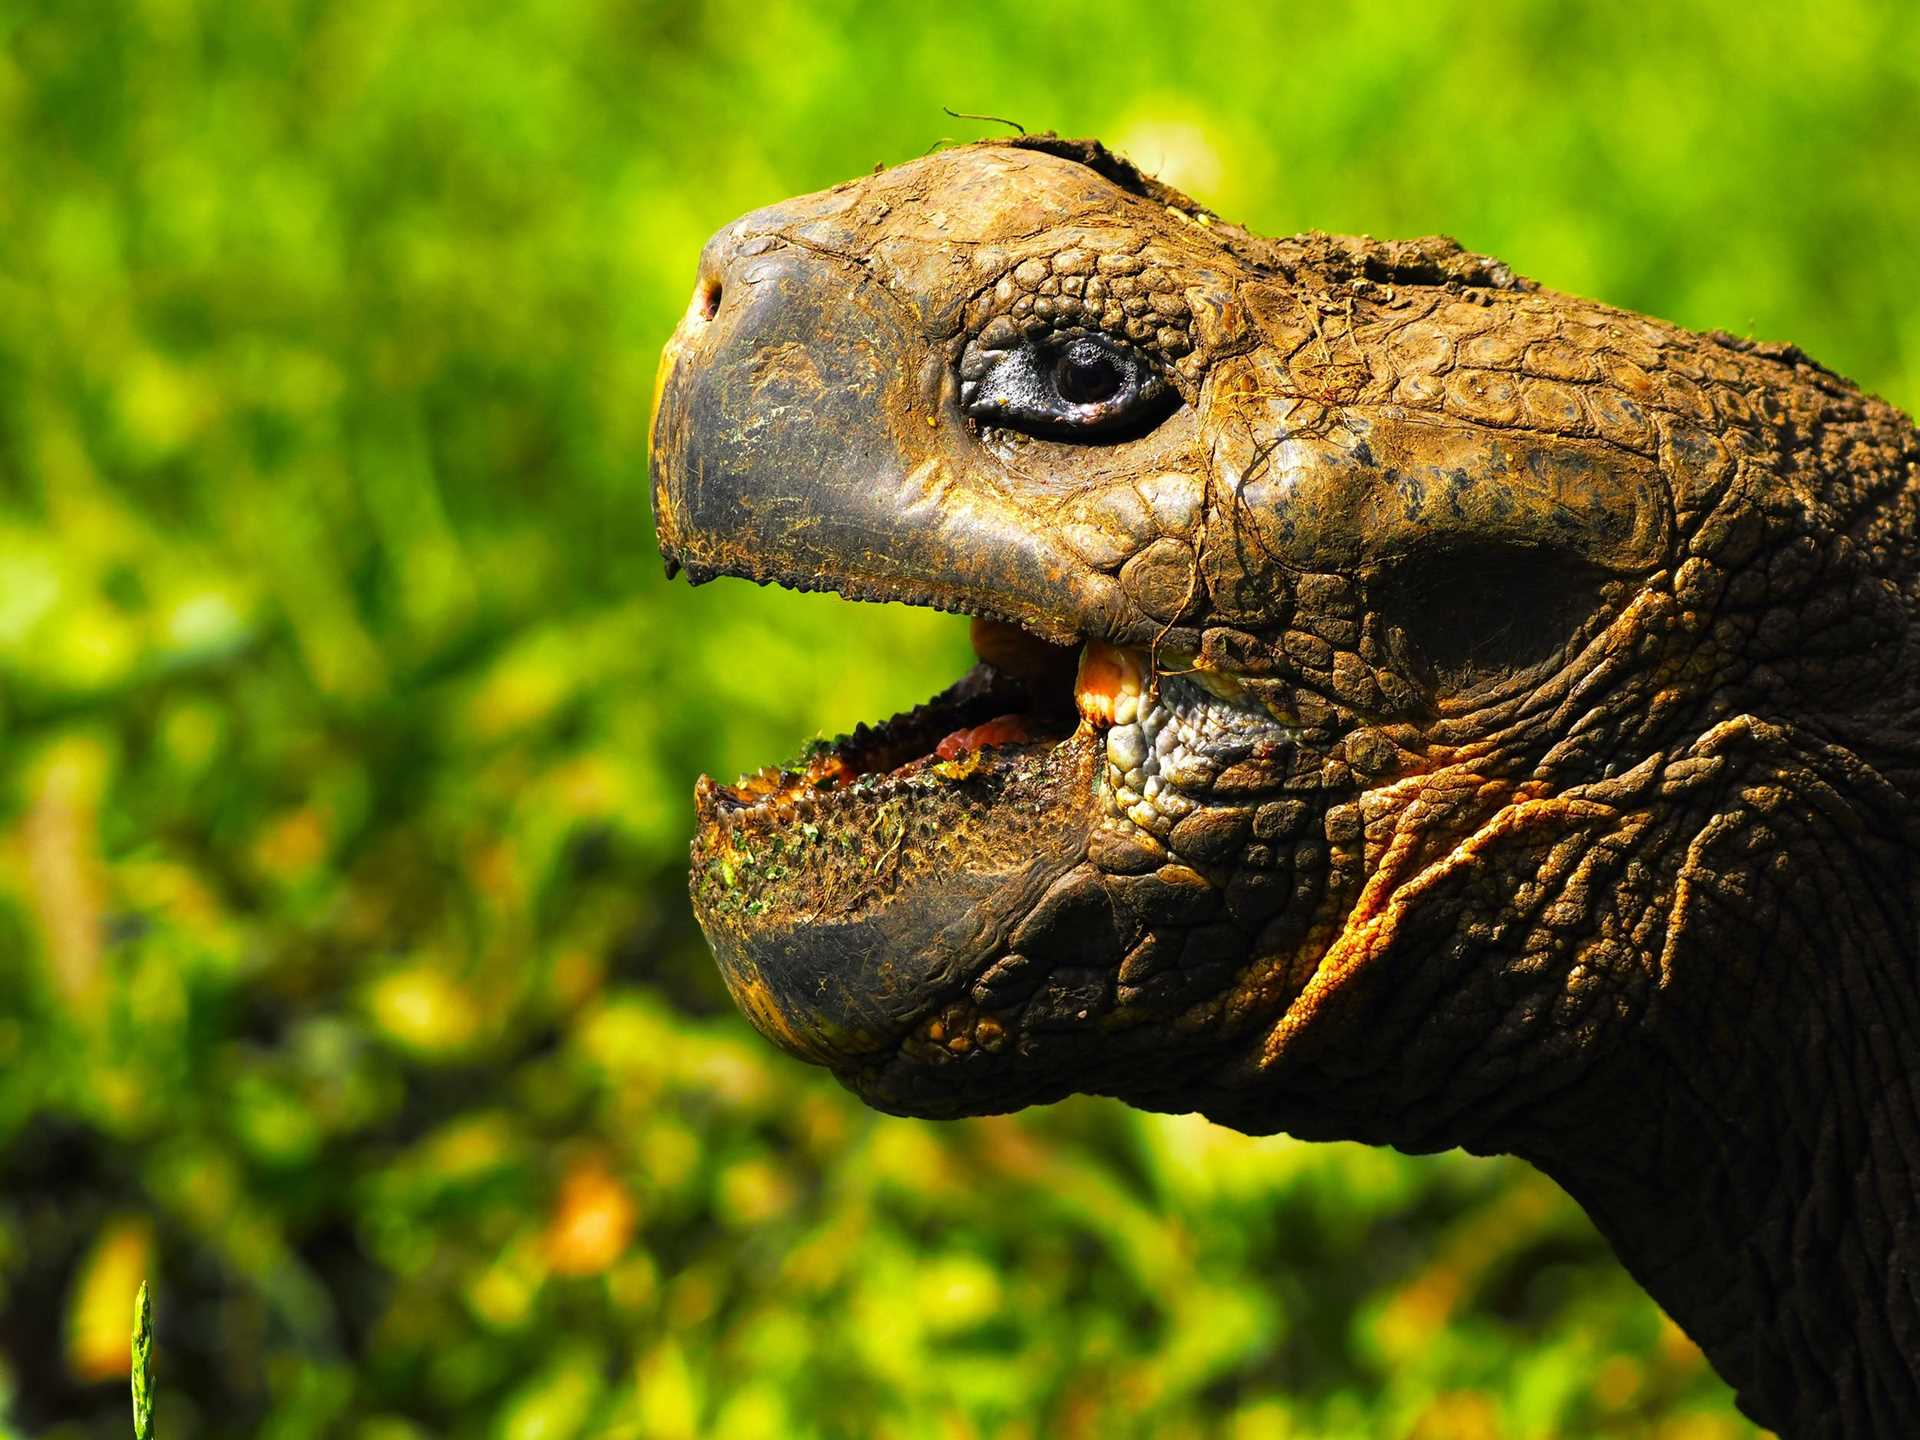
(1339, 604)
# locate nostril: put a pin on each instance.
(706, 300)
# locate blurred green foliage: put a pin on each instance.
(347, 986)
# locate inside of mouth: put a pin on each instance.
(1024, 692)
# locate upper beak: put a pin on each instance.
(806, 431)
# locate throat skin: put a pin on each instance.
(1751, 1147)
(1784, 1238)
(1738, 1112)
(1779, 1222)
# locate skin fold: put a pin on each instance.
(1524, 749)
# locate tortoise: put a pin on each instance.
(1412, 706)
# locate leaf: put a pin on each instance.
(142, 1365)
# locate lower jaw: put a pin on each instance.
(842, 927)
(855, 894)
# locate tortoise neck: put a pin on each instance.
(1757, 1165)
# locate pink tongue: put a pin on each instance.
(1001, 730)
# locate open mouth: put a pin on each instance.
(877, 874)
(1024, 696)
(858, 896)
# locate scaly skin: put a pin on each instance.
(1544, 682)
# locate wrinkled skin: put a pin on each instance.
(1545, 684)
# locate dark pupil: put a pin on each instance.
(1087, 379)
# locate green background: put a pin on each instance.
(347, 725)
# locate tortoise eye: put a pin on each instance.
(1084, 377)
(1067, 387)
